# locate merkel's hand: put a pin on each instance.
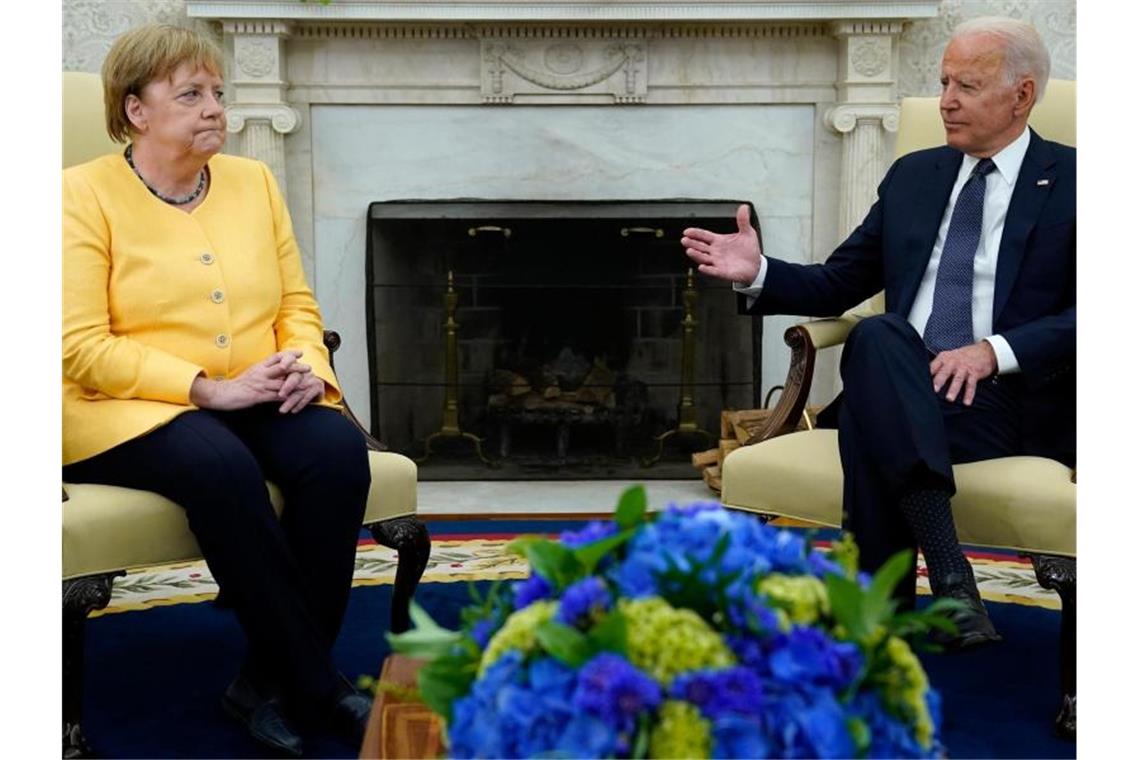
(257, 385)
(308, 388)
(963, 366)
(734, 257)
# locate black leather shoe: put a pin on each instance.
(263, 716)
(348, 716)
(971, 618)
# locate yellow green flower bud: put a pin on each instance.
(803, 597)
(681, 733)
(664, 641)
(905, 690)
(517, 632)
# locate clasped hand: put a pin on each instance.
(963, 367)
(281, 377)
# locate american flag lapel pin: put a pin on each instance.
(1042, 182)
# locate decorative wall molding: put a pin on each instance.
(256, 58)
(90, 26)
(922, 43)
(844, 118)
(513, 67)
(380, 31)
(567, 10)
(871, 57)
(283, 118)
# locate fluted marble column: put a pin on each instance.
(864, 157)
(259, 112)
(867, 110)
(262, 129)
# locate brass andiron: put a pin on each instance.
(686, 410)
(450, 427)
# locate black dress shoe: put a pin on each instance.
(263, 716)
(971, 618)
(348, 716)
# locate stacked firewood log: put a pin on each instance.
(736, 427)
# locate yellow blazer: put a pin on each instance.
(154, 296)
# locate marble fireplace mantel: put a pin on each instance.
(297, 68)
(567, 10)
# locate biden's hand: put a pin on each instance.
(734, 257)
(963, 368)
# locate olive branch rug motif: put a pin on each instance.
(1000, 579)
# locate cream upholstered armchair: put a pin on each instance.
(108, 530)
(1027, 504)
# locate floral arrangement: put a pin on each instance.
(698, 632)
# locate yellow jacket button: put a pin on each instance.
(217, 296)
(206, 258)
(222, 341)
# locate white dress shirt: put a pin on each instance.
(999, 190)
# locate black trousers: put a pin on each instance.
(288, 580)
(896, 433)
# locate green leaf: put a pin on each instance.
(445, 680)
(563, 643)
(520, 543)
(631, 507)
(427, 645)
(591, 554)
(554, 562)
(860, 734)
(550, 559)
(610, 634)
(426, 640)
(877, 602)
(719, 549)
(641, 740)
(846, 601)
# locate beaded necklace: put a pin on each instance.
(172, 201)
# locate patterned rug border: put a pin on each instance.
(1005, 580)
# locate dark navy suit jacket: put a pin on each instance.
(1035, 285)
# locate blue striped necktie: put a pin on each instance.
(951, 323)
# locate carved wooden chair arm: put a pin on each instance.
(332, 343)
(804, 339)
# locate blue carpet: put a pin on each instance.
(155, 676)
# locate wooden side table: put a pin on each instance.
(400, 728)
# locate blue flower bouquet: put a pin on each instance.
(696, 632)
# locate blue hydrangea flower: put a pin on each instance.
(612, 689)
(737, 736)
(809, 656)
(890, 737)
(531, 590)
(824, 727)
(720, 692)
(820, 565)
(595, 530)
(482, 630)
(583, 601)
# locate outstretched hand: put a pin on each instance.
(734, 257)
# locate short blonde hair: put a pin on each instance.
(143, 55)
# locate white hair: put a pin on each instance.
(1025, 53)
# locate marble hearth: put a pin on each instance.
(787, 104)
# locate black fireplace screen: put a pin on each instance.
(538, 339)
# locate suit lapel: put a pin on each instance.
(1034, 183)
(929, 206)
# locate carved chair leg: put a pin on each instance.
(80, 597)
(409, 537)
(1060, 575)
